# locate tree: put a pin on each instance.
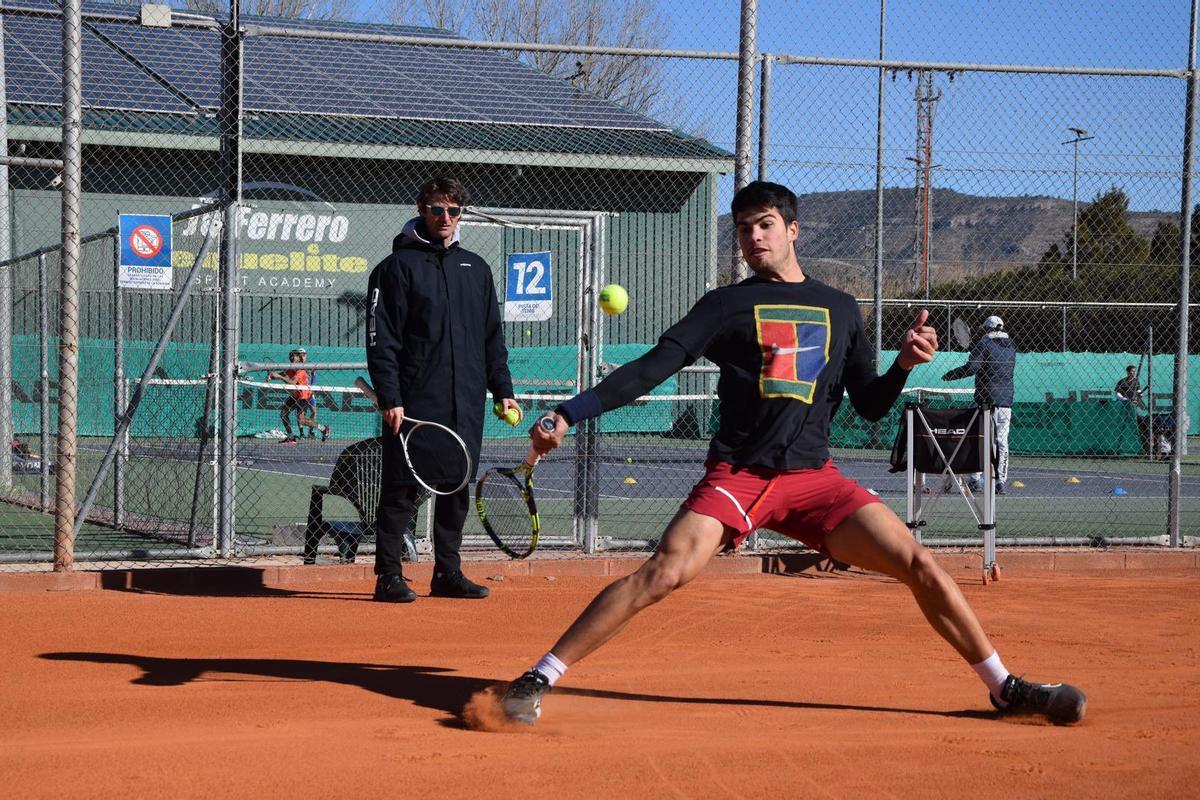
(1116, 265)
(631, 81)
(287, 9)
(1166, 245)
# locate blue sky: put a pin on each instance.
(993, 134)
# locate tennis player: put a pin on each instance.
(788, 346)
(299, 400)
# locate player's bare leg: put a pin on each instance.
(874, 538)
(689, 543)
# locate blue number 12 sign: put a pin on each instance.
(528, 292)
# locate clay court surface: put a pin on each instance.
(819, 685)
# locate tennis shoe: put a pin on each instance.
(1001, 488)
(288, 440)
(393, 589)
(522, 701)
(1060, 703)
(457, 585)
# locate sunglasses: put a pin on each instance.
(438, 211)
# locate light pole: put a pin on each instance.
(1080, 136)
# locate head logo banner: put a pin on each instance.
(145, 251)
(528, 290)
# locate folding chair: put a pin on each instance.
(949, 442)
(358, 477)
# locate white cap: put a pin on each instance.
(992, 323)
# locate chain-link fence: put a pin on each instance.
(1027, 171)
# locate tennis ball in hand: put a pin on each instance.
(498, 410)
(613, 299)
(512, 417)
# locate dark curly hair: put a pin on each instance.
(762, 194)
(443, 184)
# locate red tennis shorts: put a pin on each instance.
(803, 504)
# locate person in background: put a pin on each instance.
(1127, 388)
(299, 399)
(435, 347)
(992, 361)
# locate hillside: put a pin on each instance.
(970, 234)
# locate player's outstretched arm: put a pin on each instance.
(680, 345)
(626, 384)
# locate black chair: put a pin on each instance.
(357, 477)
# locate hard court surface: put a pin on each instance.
(819, 686)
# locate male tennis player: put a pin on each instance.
(434, 346)
(992, 361)
(788, 346)
(299, 399)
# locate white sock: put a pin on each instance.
(992, 672)
(551, 667)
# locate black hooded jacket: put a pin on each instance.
(434, 341)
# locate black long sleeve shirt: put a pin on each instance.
(787, 353)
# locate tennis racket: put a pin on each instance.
(505, 503)
(962, 333)
(436, 456)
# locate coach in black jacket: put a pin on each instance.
(434, 345)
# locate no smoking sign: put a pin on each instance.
(145, 259)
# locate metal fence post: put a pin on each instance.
(43, 382)
(231, 186)
(6, 289)
(1175, 481)
(878, 304)
(68, 347)
(747, 53)
(118, 382)
(764, 115)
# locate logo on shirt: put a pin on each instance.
(795, 348)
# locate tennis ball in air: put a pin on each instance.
(529, 331)
(613, 299)
(512, 417)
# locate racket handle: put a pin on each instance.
(367, 391)
(533, 456)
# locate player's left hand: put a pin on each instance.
(510, 404)
(920, 342)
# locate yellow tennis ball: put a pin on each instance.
(512, 417)
(613, 299)
(498, 409)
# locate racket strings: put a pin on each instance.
(437, 457)
(506, 509)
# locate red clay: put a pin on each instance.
(822, 685)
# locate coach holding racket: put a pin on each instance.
(435, 345)
(788, 346)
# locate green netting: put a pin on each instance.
(1064, 401)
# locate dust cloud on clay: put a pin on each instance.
(483, 712)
